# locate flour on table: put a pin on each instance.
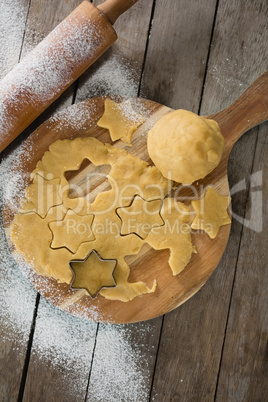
(119, 372)
(12, 24)
(35, 80)
(58, 336)
(64, 343)
(76, 115)
(111, 75)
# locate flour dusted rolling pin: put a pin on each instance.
(45, 73)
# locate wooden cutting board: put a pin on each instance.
(80, 121)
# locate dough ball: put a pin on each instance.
(184, 146)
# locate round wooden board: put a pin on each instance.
(80, 121)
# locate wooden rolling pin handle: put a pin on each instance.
(53, 65)
(112, 9)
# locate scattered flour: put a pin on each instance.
(113, 362)
(13, 18)
(65, 343)
(111, 75)
(77, 116)
(129, 113)
(12, 186)
(62, 342)
(48, 70)
(17, 297)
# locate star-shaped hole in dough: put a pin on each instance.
(41, 195)
(93, 273)
(120, 119)
(140, 217)
(211, 212)
(72, 231)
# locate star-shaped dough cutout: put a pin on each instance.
(93, 274)
(120, 119)
(72, 231)
(140, 217)
(211, 212)
(41, 195)
(175, 235)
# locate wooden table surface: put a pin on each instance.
(186, 54)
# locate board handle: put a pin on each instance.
(249, 110)
(112, 9)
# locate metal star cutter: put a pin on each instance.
(93, 274)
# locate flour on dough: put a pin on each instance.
(120, 119)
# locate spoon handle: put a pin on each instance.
(250, 109)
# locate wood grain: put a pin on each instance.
(66, 383)
(177, 53)
(188, 370)
(189, 357)
(112, 9)
(13, 346)
(56, 378)
(132, 34)
(121, 66)
(180, 288)
(12, 27)
(57, 53)
(171, 290)
(238, 52)
(244, 377)
(141, 337)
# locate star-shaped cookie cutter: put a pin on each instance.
(137, 196)
(104, 286)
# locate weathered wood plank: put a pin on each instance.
(95, 388)
(17, 303)
(13, 15)
(177, 53)
(189, 351)
(123, 362)
(244, 375)
(238, 54)
(192, 337)
(140, 19)
(61, 356)
(118, 70)
(14, 327)
(43, 17)
(187, 370)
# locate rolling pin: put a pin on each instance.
(55, 63)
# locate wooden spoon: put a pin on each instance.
(249, 110)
